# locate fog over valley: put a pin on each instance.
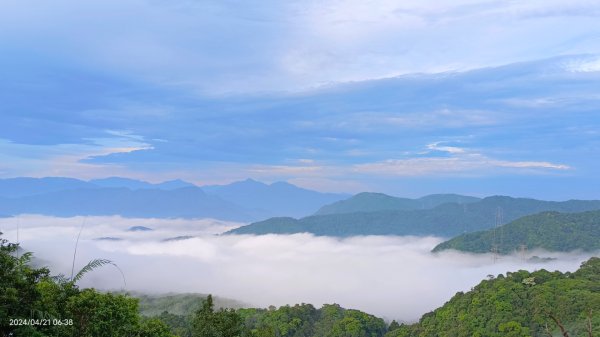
(300, 168)
(390, 276)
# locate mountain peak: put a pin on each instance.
(120, 182)
(275, 199)
(174, 184)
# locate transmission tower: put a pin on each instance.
(523, 251)
(496, 247)
(500, 223)
(464, 218)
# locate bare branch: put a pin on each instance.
(560, 326)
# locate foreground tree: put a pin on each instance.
(18, 289)
(56, 307)
(210, 323)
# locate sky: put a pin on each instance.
(387, 276)
(402, 97)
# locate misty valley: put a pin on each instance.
(121, 257)
(385, 168)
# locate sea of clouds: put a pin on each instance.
(389, 276)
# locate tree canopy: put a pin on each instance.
(551, 231)
(519, 304)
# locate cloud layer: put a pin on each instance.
(215, 46)
(334, 95)
(393, 277)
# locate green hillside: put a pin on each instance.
(551, 231)
(300, 320)
(179, 304)
(447, 220)
(279, 225)
(372, 202)
(519, 304)
(304, 320)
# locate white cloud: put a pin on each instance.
(437, 159)
(109, 226)
(446, 118)
(458, 161)
(416, 166)
(286, 170)
(295, 45)
(338, 41)
(530, 164)
(66, 159)
(584, 65)
(393, 277)
(450, 149)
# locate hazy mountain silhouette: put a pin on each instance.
(277, 199)
(187, 202)
(247, 200)
(134, 184)
(18, 187)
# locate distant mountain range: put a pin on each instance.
(286, 207)
(551, 231)
(281, 198)
(21, 187)
(116, 182)
(247, 200)
(187, 202)
(446, 220)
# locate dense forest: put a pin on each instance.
(446, 220)
(300, 320)
(520, 304)
(551, 231)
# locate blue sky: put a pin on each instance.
(408, 98)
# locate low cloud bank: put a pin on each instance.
(392, 277)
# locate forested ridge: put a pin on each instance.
(446, 220)
(518, 304)
(551, 231)
(372, 202)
